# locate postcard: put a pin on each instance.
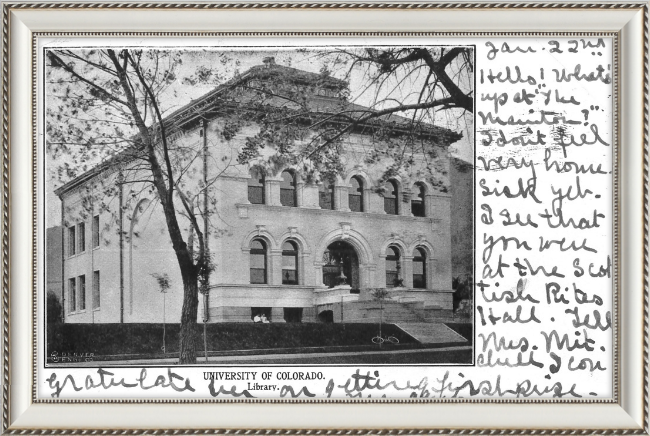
(404, 218)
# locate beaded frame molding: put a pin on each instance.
(5, 423)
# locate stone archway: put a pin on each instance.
(341, 265)
(366, 265)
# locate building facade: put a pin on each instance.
(283, 243)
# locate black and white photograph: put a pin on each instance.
(259, 206)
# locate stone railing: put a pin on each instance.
(336, 294)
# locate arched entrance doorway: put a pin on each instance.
(340, 265)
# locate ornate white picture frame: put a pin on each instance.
(25, 23)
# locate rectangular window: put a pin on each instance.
(258, 276)
(326, 197)
(391, 272)
(419, 269)
(72, 241)
(417, 208)
(82, 237)
(96, 288)
(419, 280)
(288, 197)
(355, 203)
(391, 279)
(256, 194)
(96, 231)
(390, 206)
(325, 200)
(261, 314)
(289, 270)
(289, 277)
(289, 262)
(293, 314)
(72, 294)
(82, 292)
(258, 269)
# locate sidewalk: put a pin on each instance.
(429, 355)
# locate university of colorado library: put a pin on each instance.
(291, 248)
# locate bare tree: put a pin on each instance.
(110, 105)
(401, 93)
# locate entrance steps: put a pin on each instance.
(431, 333)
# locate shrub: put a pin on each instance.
(146, 339)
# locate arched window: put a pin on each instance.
(289, 263)
(258, 261)
(419, 268)
(392, 268)
(391, 198)
(355, 194)
(326, 195)
(288, 189)
(256, 186)
(417, 201)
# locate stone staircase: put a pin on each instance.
(431, 333)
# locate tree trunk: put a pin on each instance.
(165, 190)
(187, 337)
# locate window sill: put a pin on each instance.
(259, 286)
(77, 254)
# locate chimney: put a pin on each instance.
(269, 61)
